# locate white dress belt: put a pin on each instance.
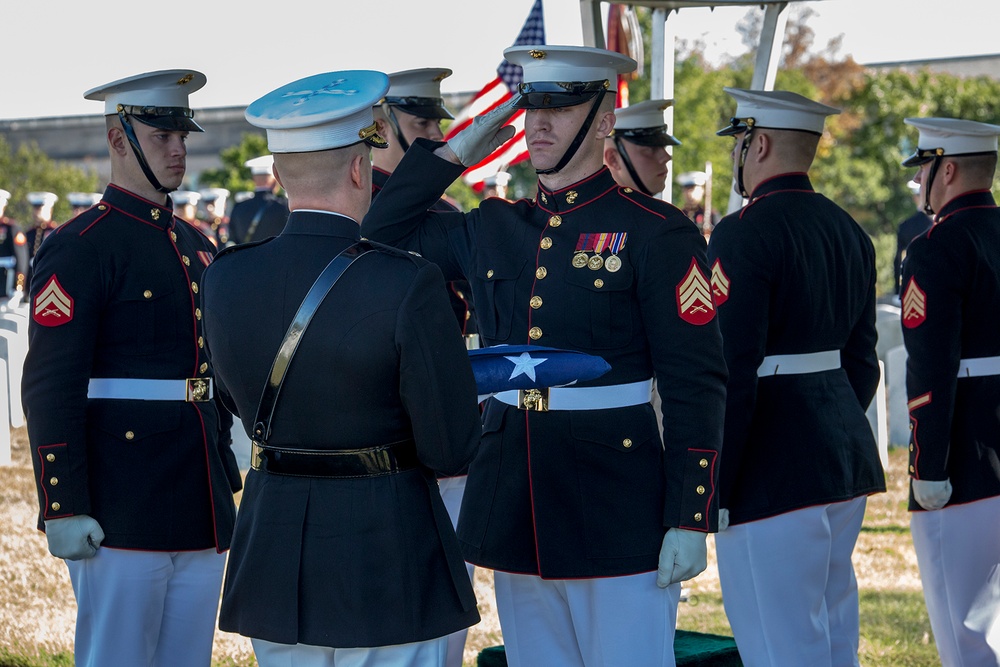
(797, 364)
(140, 389)
(978, 367)
(590, 398)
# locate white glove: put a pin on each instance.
(484, 135)
(723, 519)
(74, 537)
(931, 495)
(683, 556)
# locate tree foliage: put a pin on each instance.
(232, 175)
(28, 169)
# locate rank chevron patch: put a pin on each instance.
(914, 305)
(694, 297)
(720, 284)
(53, 306)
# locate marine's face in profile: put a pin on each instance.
(165, 151)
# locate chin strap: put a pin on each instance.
(741, 189)
(619, 144)
(573, 147)
(137, 150)
(390, 115)
(931, 174)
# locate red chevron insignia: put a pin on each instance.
(914, 305)
(53, 306)
(694, 297)
(720, 283)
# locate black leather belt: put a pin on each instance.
(368, 462)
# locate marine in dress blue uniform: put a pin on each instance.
(909, 229)
(572, 495)
(794, 280)
(42, 226)
(413, 108)
(950, 316)
(264, 214)
(215, 220)
(131, 454)
(695, 197)
(636, 152)
(330, 562)
(9, 235)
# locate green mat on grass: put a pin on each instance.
(692, 649)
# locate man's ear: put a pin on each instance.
(762, 148)
(948, 171)
(117, 141)
(277, 176)
(606, 124)
(358, 164)
(611, 157)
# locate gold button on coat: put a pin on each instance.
(489, 273)
(541, 272)
(53, 481)
(201, 341)
(203, 367)
(173, 236)
(598, 283)
(626, 443)
(555, 220)
(50, 457)
(186, 260)
(197, 313)
(536, 302)
(129, 435)
(546, 243)
(700, 490)
(194, 287)
(55, 507)
(534, 333)
(697, 516)
(703, 463)
(147, 294)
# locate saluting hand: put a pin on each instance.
(486, 133)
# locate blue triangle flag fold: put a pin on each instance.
(505, 367)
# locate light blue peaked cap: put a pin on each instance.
(320, 112)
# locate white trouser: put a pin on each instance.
(155, 608)
(788, 586)
(958, 551)
(610, 622)
(430, 653)
(452, 489)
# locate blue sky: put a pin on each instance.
(56, 50)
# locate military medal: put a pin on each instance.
(580, 260)
(595, 263)
(613, 263)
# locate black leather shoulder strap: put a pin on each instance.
(310, 304)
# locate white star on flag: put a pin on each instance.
(524, 365)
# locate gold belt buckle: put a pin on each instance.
(533, 399)
(472, 341)
(198, 390)
(255, 454)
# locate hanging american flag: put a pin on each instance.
(496, 92)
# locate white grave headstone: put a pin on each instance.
(5, 457)
(877, 418)
(899, 417)
(890, 331)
